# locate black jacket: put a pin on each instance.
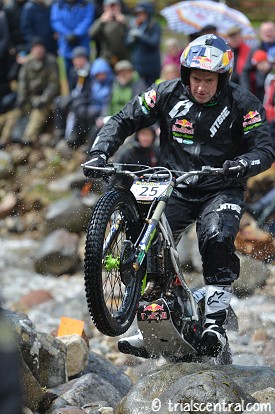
(193, 135)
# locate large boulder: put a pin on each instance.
(198, 382)
(58, 253)
(68, 213)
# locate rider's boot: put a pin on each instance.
(217, 300)
(133, 345)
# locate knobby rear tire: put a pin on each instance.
(112, 304)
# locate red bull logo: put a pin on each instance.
(153, 308)
(184, 123)
(202, 62)
(201, 59)
(183, 126)
(154, 311)
(252, 117)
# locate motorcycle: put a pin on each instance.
(132, 269)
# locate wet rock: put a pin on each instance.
(52, 361)
(87, 389)
(26, 337)
(68, 410)
(6, 165)
(7, 204)
(253, 274)
(97, 408)
(31, 389)
(77, 353)
(266, 395)
(33, 298)
(26, 410)
(102, 367)
(175, 392)
(157, 383)
(254, 242)
(69, 213)
(58, 253)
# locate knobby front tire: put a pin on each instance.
(112, 299)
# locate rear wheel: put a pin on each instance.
(112, 287)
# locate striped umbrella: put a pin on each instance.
(189, 17)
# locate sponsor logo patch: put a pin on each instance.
(183, 131)
(148, 101)
(251, 120)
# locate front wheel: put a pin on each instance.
(112, 287)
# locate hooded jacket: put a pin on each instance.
(194, 135)
(100, 90)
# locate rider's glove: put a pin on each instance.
(240, 168)
(98, 159)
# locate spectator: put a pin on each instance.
(260, 63)
(109, 31)
(208, 29)
(4, 47)
(13, 10)
(269, 96)
(127, 84)
(252, 78)
(144, 40)
(38, 85)
(81, 84)
(241, 51)
(89, 108)
(172, 52)
(71, 20)
(168, 72)
(35, 22)
(140, 150)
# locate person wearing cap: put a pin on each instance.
(143, 39)
(38, 86)
(205, 120)
(241, 51)
(252, 78)
(109, 31)
(126, 85)
(71, 19)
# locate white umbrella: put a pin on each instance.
(189, 17)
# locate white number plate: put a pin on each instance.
(148, 191)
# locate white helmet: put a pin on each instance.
(210, 53)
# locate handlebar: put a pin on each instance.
(160, 172)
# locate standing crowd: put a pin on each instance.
(109, 54)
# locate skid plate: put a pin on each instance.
(159, 332)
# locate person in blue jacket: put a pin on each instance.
(88, 108)
(71, 19)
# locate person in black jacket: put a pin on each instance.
(141, 149)
(204, 120)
